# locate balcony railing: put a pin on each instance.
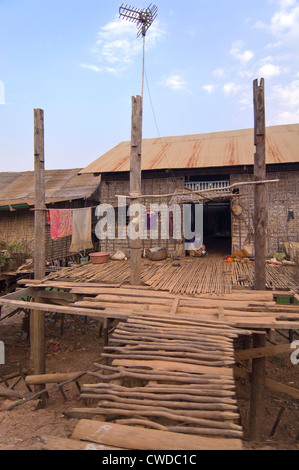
(206, 185)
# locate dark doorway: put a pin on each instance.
(217, 228)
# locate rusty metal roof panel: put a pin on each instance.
(216, 149)
(60, 185)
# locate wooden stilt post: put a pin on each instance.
(257, 390)
(135, 184)
(260, 189)
(37, 317)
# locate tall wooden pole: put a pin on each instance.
(37, 318)
(260, 189)
(135, 183)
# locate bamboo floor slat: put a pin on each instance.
(188, 276)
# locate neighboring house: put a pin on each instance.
(64, 189)
(212, 160)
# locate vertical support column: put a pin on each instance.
(260, 189)
(135, 183)
(257, 390)
(37, 318)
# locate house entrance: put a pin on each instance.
(217, 228)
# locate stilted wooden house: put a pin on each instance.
(64, 189)
(212, 161)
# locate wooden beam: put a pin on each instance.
(135, 184)
(59, 443)
(37, 318)
(269, 351)
(260, 189)
(20, 294)
(269, 383)
(71, 310)
(138, 438)
(53, 378)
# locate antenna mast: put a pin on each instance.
(144, 17)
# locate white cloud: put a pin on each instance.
(284, 24)
(285, 21)
(270, 70)
(245, 103)
(243, 57)
(2, 92)
(117, 45)
(288, 95)
(94, 68)
(230, 88)
(219, 73)
(209, 88)
(286, 102)
(287, 3)
(175, 82)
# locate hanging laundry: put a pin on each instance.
(151, 221)
(81, 238)
(61, 223)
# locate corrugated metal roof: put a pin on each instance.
(217, 149)
(60, 185)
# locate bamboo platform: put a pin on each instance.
(103, 301)
(186, 276)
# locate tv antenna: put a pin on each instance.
(144, 17)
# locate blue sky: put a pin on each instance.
(81, 64)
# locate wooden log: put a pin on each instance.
(143, 423)
(148, 439)
(7, 392)
(201, 328)
(103, 394)
(53, 378)
(212, 407)
(37, 319)
(260, 189)
(226, 433)
(175, 366)
(171, 358)
(44, 391)
(127, 328)
(135, 184)
(209, 346)
(174, 416)
(205, 383)
(167, 350)
(59, 443)
(190, 340)
(191, 392)
(206, 373)
(131, 299)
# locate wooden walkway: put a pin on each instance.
(170, 376)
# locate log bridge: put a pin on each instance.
(168, 376)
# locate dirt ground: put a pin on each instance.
(77, 350)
